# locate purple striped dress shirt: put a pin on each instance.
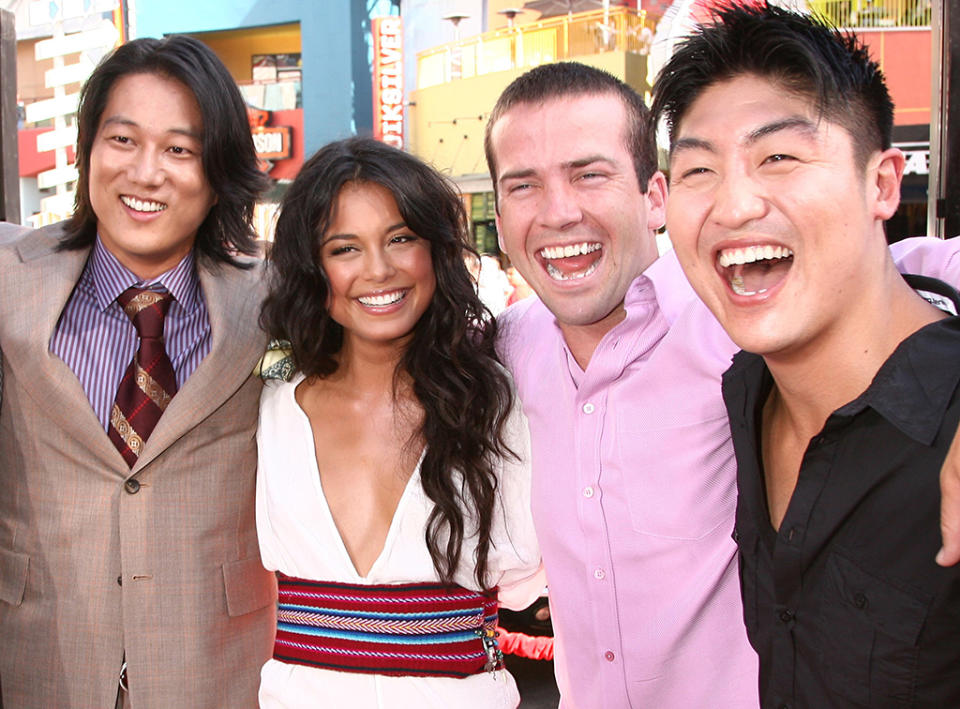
(98, 341)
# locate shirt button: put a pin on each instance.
(786, 616)
(588, 491)
(588, 408)
(609, 656)
(119, 580)
(599, 574)
(860, 601)
(132, 486)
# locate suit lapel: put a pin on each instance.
(233, 298)
(52, 276)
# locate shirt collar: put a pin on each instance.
(111, 278)
(911, 390)
(914, 387)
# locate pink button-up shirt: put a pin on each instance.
(634, 492)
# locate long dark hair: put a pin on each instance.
(457, 377)
(229, 157)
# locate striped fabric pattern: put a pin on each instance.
(425, 629)
(97, 340)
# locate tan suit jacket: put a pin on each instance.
(160, 562)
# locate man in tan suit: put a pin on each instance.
(129, 568)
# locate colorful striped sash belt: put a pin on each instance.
(426, 629)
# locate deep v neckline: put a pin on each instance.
(313, 469)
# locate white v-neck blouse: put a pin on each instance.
(298, 537)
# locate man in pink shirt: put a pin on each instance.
(618, 366)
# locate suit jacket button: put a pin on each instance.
(132, 485)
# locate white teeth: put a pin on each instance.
(558, 275)
(751, 254)
(382, 299)
(554, 252)
(141, 205)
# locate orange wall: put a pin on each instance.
(904, 57)
(30, 73)
(236, 47)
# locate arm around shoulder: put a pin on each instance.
(939, 258)
(928, 256)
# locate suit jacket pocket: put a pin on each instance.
(13, 576)
(869, 634)
(249, 587)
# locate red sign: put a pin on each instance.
(272, 143)
(388, 80)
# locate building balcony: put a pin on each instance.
(523, 46)
(880, 14)
(458, 83)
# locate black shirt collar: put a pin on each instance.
(911, 390)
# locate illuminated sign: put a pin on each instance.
(388, 80)
(271, 142)
(916, 156)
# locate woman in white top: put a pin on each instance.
(393, 487)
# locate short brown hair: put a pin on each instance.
(566, 79)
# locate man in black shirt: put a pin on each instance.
(781, 177)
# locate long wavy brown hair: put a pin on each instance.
(457, 378)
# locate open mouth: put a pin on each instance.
(754, 270)
(382, 300)
(142, 205)
(572, 261)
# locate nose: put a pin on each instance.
(378, 265)
(146, 168)
(559, 206)
(737, 201)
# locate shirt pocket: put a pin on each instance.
(680, 481)
(868, 634)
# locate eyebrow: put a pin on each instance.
(349, 237)
(797, 123)
(575, 164)
(133, 124)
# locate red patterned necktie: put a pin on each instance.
(149, 382)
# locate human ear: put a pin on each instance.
(656, 201)
(500, 243)
(885, 175)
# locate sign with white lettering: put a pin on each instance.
(916, 156)
(388, 80)
(272, 143)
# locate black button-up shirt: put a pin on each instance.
(844, 604)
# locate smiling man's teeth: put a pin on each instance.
(751, 254)
(142, 205)
(382, 299)
(558, 275)
(551, 252)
